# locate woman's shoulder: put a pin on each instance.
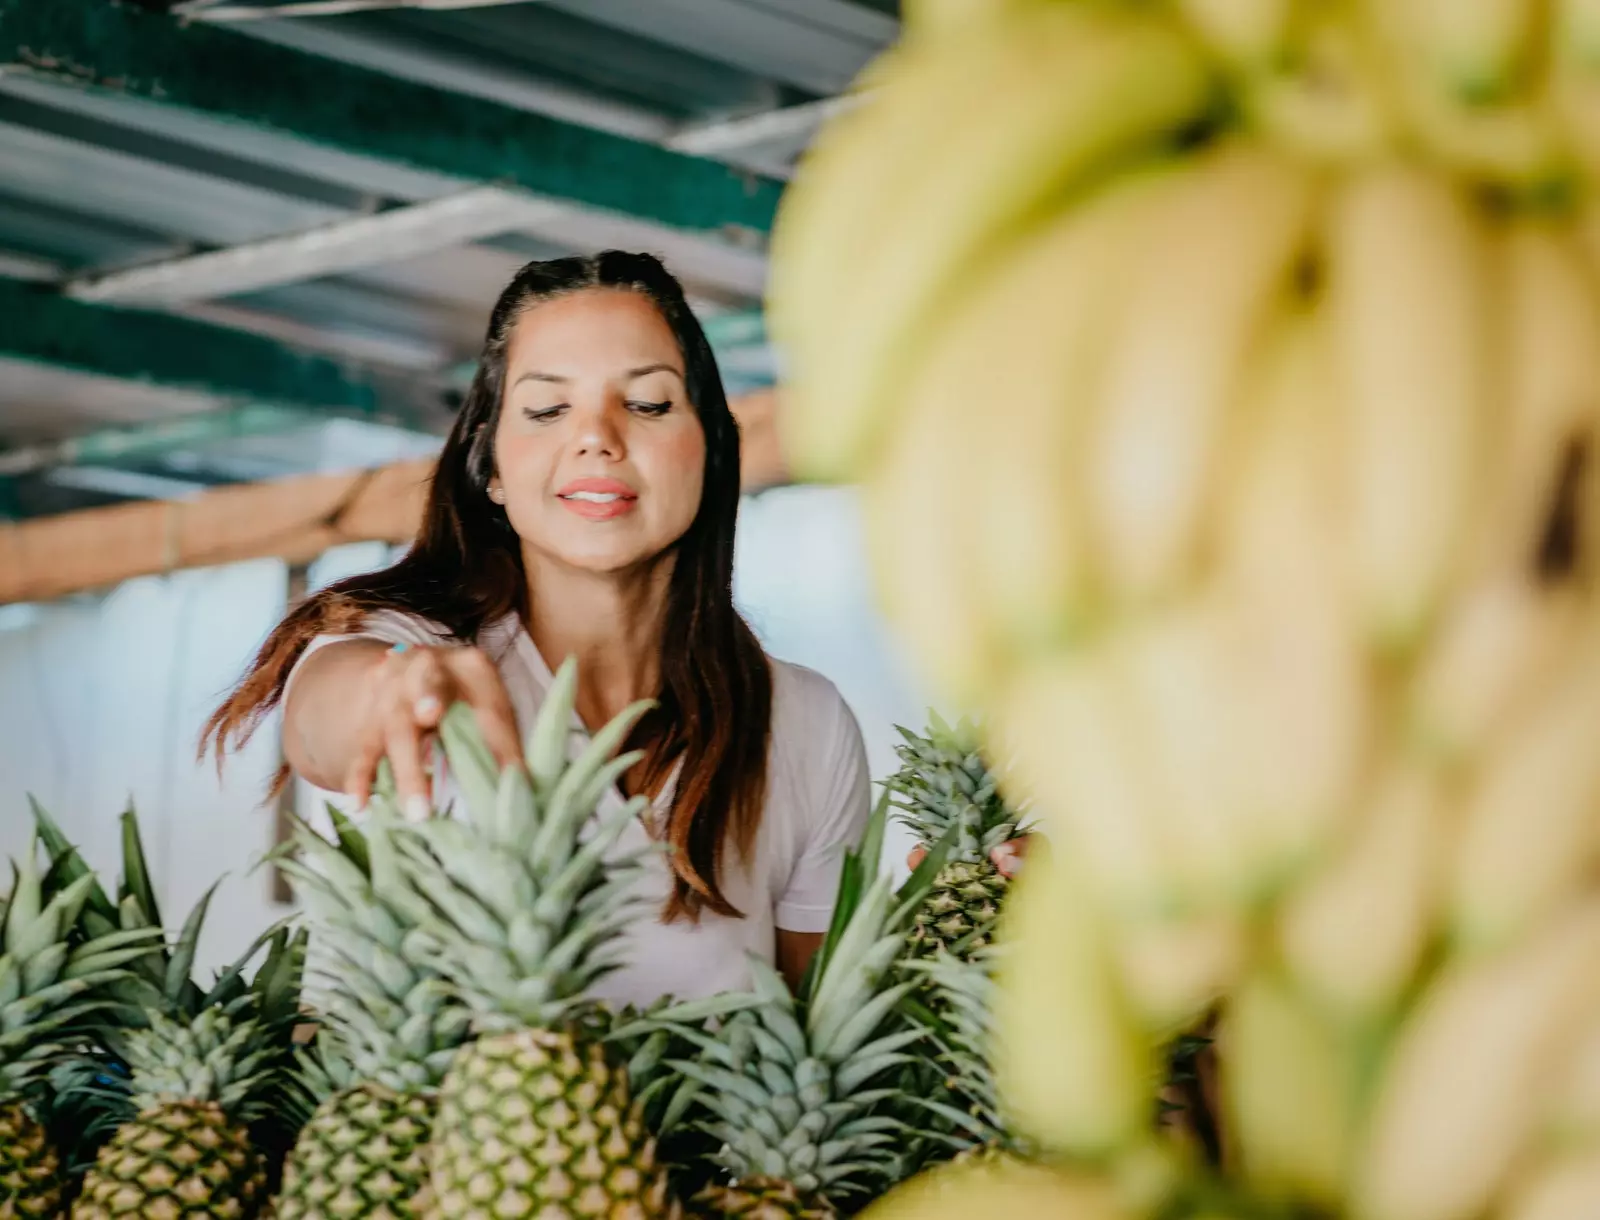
(819, 787)
(811, 721)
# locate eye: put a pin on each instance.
(544, 415)
(651, 409)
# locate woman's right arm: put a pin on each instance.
(354, 702)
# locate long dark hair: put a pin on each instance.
(465, 571)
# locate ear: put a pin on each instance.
(497, 493)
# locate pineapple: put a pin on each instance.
(535, 1118)
(961, 1033)
(801, 1091)
(200, 1070)
(944, 786)
(394, 1030)
(52, 990)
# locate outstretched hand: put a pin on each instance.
(402, 707)
(1007, 857)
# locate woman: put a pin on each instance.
(584, 505)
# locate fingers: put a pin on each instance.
(364, 770)
(917, 855)
(403, 742)
(478, 682)
(409, 695)
(1009, 855)
(426, 685)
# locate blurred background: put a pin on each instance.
(246, 257)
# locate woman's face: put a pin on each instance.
(599, 454)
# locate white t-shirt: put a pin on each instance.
(818, 800)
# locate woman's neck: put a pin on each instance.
(611, 623)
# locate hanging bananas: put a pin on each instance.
(1223, 378)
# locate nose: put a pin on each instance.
(599, 432)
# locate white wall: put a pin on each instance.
(801, 580)
(102, 699)
(101, 703)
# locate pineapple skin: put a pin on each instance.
(762, 1199)
(538, 1123)
(362, 1156)
(958, 917)
(175, 1161)
(30, 1171)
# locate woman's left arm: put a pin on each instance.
(795, 951)
(835, 815)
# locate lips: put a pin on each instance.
(598, 499)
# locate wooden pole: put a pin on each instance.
(290, 519)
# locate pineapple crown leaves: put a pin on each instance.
(320, 1070)
(399, 1019)
(960, 1031)
(944, 782)
(212, 1058)
(653, 1041)
(86, 1101)
(792, 1086)
(778, 1111)
(161, 973)
(53, 981)
(159, 978)
(237, 1049)
(526, 907)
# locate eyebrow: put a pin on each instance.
(633, 374)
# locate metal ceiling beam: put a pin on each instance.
(406, 56)
(109, 446)
(183, 354)
(344, 245)
(727, 138)
(246, 81)
(209, 10)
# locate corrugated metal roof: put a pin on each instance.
(92, 181)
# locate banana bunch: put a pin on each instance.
(1222, 378)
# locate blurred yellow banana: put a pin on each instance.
(1575, 75)
(1178, 671)
(1546, 442)
(1173, 970)
(1011, 1188)
(1468, 1078)
(1495, 650)
(1352, 936)
(1530, 832)
(924, 19)
(1504, 631)
(1475, 50)
(1408, 302)
(1289, 1094)
(915, 516)
(1245, 33)
(1565, 1187)
(1212, 263)
(1013, 366)
(1065, 733)
(1072, 1069)
(1327, 101)
(846, 187)
(1298, 690)
(1574, 1117)
(1575, 33)
(1070, 91)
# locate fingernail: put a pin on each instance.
(427, 707)
(417, 809)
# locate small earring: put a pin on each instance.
(497, 494)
